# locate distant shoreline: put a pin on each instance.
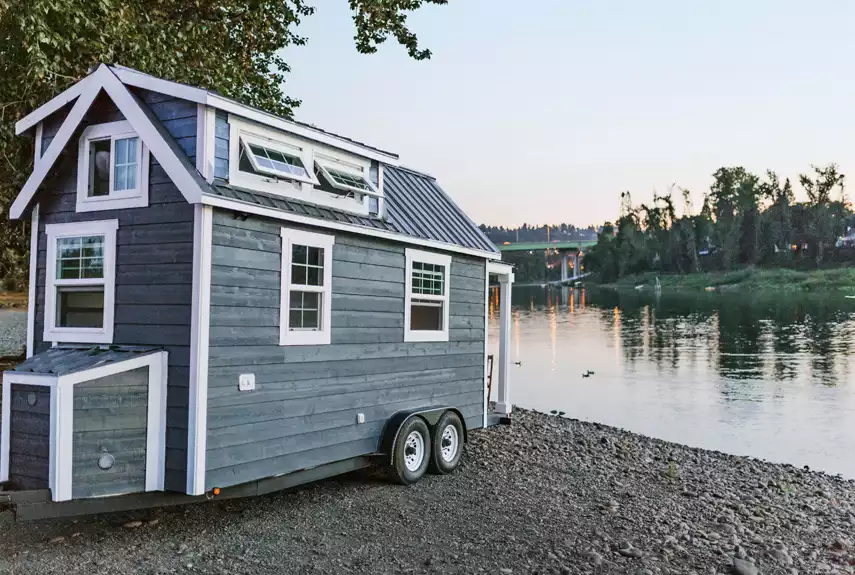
(840, 280)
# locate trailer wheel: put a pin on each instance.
(412, 451)
(447, 444)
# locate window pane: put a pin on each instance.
(299, 254)
(428, 279)
(121, 152)
(305, 311)
(125, 164)
(77, 307)
(99, 168)
(131, 150)
(315, 277)
(131, 175)
(426, 316)
(316, 256)
(80, 257)
(120, 178)
(298, 275)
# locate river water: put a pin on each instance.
(772, 377)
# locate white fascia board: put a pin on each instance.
(89, 90)
(200, 96)
(248, 208)
(45, 110)
(499, 268)
(164, 148)
(31, 297)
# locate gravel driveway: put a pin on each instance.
(546, 495)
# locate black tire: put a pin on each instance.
(447, 434)
(404, 470)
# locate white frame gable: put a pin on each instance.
(161, 145)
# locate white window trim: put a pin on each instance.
(136, 198)
(52, 333)
(294, 188)
(62, 420)
(325, 163)
(428, 258)
(325, 242)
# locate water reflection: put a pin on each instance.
(765, 376)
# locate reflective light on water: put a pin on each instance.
(769, 377)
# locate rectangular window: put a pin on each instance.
(427, 296)
(306, 288)
(344, 176)
(80, 287)
(267, 157)
(112, 168)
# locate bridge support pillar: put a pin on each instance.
(565, 262)
(576, 270)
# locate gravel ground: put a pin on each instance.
(13, 331)
(546, 495)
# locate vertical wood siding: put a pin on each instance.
(29, 446)
(303, 410)
(221, 146)
(110, 416)
(154, 262)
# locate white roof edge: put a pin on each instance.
(45, 110)
(238, 205)
(185, 177)
(201, 96)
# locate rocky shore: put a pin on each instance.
(545, 495)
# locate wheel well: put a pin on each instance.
(430, 415)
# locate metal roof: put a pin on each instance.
(297, 207)
(65, 360)
(418, 207)
(415, 206)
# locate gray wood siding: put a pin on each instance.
(303, 410)
(29, 439)
(221, 146)
(154, 261)
(110, 416)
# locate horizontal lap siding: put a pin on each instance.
(110, 416)
(303, 410)
(29, 446)
(154, 261)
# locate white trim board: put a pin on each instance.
(324, 242)
(151, 131)
(444, 260)
(31, 295)
(248, 208)
(62, 419)
(200, 318)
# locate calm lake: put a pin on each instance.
(772, 377)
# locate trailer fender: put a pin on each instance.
(430, 415)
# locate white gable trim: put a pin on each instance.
(150, 130)
(45, 110)
(200, 96)
(40, 170)
(247, 208)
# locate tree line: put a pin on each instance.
(544, 233)
(745, 220)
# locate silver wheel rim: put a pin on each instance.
(449, 443)
(414, 451)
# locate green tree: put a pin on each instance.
(827, 216)
(232, 46)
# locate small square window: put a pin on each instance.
(427, 296)
(112, 168)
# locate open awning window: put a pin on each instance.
(276, 159)
(343, 176)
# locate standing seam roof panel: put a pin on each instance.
(406, 198)
(441, 201)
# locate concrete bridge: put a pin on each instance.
(570, 252)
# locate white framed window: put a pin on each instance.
(345, 176)
(80, 282)
(272, 161)
(306, 294)
(112, 168)
(426, 305)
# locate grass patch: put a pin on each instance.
(748, 279)
(13, 300)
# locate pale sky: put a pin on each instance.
(544, 111)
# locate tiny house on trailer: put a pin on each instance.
(223, 301)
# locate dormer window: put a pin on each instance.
(276, 162)
(344, 176)
(263, 156)
(112, 168)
